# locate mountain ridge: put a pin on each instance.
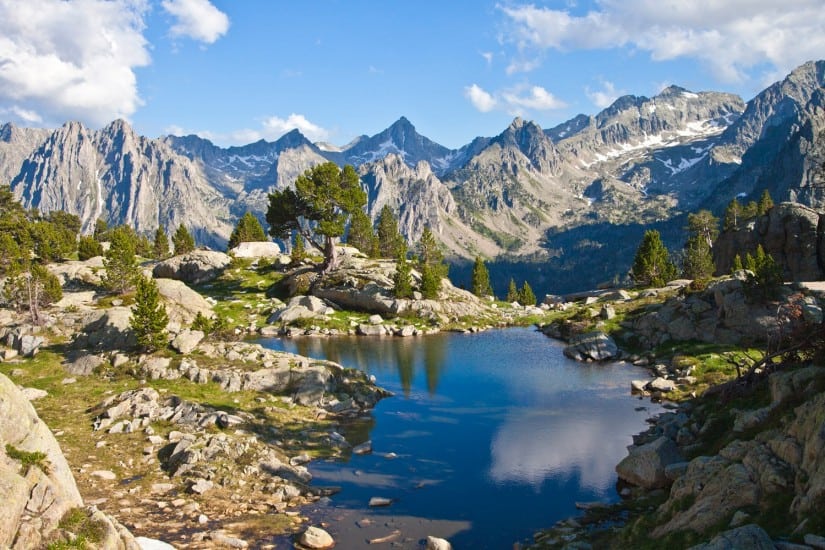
(514, 195)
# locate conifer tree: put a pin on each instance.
(431, 261)
(652, 265)
(149, 318)
(402, 280)
(526, 297)
(101, 230)
(733, 215)
(481, 279)
(160, 248)
(390, 240)
(88, 247)
(182, 241)
(512, 292)
(765, 203)
(120, 261)
(737, 264)
(319, 207)
(298, 250)
(361, 234)
(698, 261)
(248, 230)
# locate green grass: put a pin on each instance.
(28, 460)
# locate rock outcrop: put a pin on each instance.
(36, 485)
(197, 267)
(591, 346)
(258, 249)
(721, 313)
(790, 232)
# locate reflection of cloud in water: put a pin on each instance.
(378, 481)
(532, 446)
(410, 434)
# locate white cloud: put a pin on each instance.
(276, 127)
(488, 57)
(271, 128)
(604, 97)
(732, 38)
(513, 100)
(523, 65)
(480, 99)
(197, 19)
(532, 97)
(73, 60)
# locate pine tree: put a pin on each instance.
(526, 297)
(101, 232)
(766, 278)
(182, 241)
(120, 261)
(481, 279)
(652, 265)
(88, 247)
(390, 240)
(765, 203)
(298, 250)
(737, 264)
(431, 261)
(247, 230)
(733, 216)
(149, 317)
(512, 292)
(160, 248)
(361, 235)
(402, 280)
(698, 262)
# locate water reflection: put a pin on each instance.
(377, 355)
(492, 429)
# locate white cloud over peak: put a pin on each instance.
(270, 129)
(197, 19)
(74, 60)
(275, 127)
(605, 97)
(731, 38)
(513, 100)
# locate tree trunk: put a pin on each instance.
(330, 256)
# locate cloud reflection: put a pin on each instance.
(532, 446)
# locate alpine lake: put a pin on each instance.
(488, 438)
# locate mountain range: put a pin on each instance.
(566, 205)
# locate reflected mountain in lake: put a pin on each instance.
(496, 431)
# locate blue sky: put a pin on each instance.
(239, 70)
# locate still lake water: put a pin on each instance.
(496, 433)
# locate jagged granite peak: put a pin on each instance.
(400, 138)
(419, 199)
(16, 144)
(781, 100)
(122, 177)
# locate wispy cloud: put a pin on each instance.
(197, 19)
(733, 38)
(515, 100)
(603, 97)
(488, 57)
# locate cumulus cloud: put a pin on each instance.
(513, 100)
(604, 97)
(731, 38)
(74, 60)
(197, 19)
(480, 99)
(276, 127)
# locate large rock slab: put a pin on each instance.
(645, 465)
(182, 303)
(258, 249)
(106, 330)
(31, 503)
(591, 346)
(750, 536)
(197, 267)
